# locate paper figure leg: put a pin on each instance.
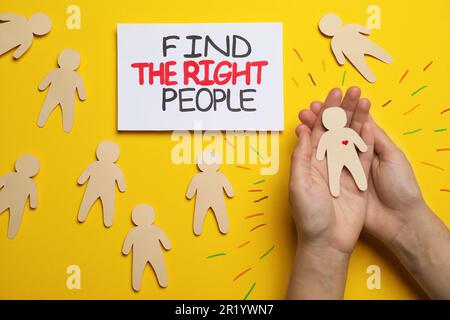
(160, 269)
(15, 219)
(379, 53)
(49, 105)
(3, 203)
(361, 65)
(138, 269)
(108, 203)
(88, 200)
(358, 175)
(201, 209)
(68, 113)
(220, 211)
(334, 177)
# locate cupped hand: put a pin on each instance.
(394, 197)
(322, 220)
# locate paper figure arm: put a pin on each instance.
(359, 142)
(80, 88)
(120, 179)
(340, 58)
(46, 81)
(192, 189)
(164, 240)
(85, 175)
(361, 29)
(24, 46)
(33, 196)
(227, 187)
(321, 148)
(9, 16)
(128, 243)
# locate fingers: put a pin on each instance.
(315, 107)
(307, 117)
(360, 115)
(350, 102)
(333, 99)
(367, 134)
(301, 157)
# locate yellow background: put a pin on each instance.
(50, 239)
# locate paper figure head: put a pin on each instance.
(329, 24)
(143, 214)
(27, 165)
(69, 59)
(208, 161)
(108, 151)
(334, 118)
(40, 24)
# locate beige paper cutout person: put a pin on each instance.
(103, 175)
(209, 185)
(15, 189)
(63, 82)
(145, 241)
(339, 144)
(18, 32)
(350, 41)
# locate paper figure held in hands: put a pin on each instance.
(339, 144)
(145, 240)
(350, 41)
(209, 185)
(17, 32)
(15, 189)
(63, 82)
(103, 175)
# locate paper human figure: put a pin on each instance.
(15, 189)
(339, 144)
(63, 82)
(103, 175)
(208, 186)
(146, 239)
(350, 41)
(17, 32)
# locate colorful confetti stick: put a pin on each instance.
(432, 165)
(403, 76)
(254, 215)
(258, 226)
(241, 274)
(250, 291)
(267, 252)
(440, 130)
(255, 190)
(244, 244)
(445, 190)
(343, 77)
(429, 64)
(298, 55)
(251, 147)
(216, 255)
(323, 65)
(412, 131)
(295, 81)
(312, 80)
(386, 103)
(261, 199)
(242, 167)
(229, 142)
(410, 110)
(445, 110)
(418, 90)
(260, 181)
(443, 149)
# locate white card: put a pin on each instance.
(231, 80)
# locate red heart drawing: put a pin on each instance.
(344, 142)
